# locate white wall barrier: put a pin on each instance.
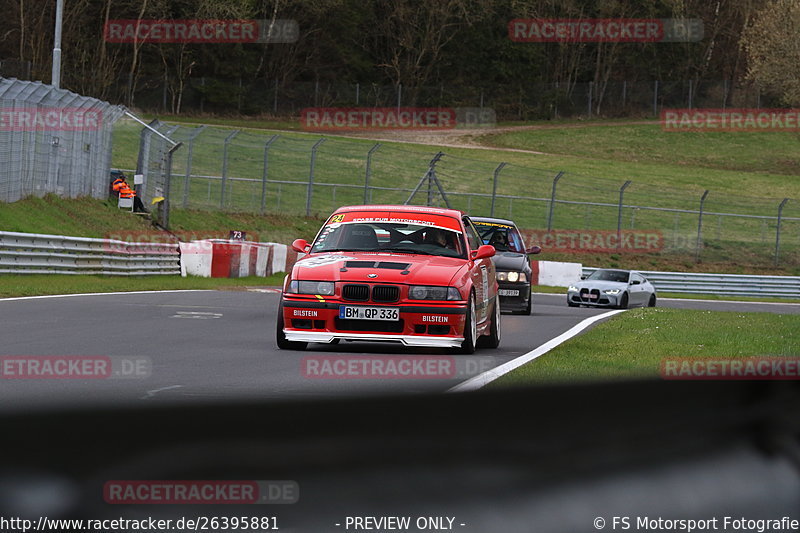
(218, 258)
(555, 273)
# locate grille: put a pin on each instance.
(385, 293)
(358, 293)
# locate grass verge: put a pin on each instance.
(633, 344)
(40, 285)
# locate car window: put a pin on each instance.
(503, 237)
(472, 235)
(619, 276)
(387, 236)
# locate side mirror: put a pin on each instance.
(583, 277)
(635, 282)
(533, 250)
(301, 245)
(485, 250)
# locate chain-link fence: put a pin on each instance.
(232, 170)
(53, 141)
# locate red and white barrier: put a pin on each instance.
(217, 258)
(555, 273)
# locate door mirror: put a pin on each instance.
(301, 245)
(635, 282)
(483, 251)
(534, 250)
(583, 277)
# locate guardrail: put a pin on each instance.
(32, 253)
(722, 284)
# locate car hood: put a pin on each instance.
(384, 268)
(602, 285)
(510, 261)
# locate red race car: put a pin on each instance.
(420, 276)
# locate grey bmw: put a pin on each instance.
(612, 288)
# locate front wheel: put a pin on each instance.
(493, 340)
(652, 302)
(623, 303)
(280, 336)
(470, 328)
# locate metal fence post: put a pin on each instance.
(619, 213)
(189, 155)
(142, 162)
(700, 227)
(167, 183)
(553, 201)
(494, 185)
(228, 139)
(265, 173)
(310, 191)
(368, 172)
(778, 230)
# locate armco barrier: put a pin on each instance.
(218, 258)
(722, 284)
(32, 253)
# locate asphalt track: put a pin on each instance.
(219, 346)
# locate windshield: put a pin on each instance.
(609, 275)
(389, 237)
(503, 237)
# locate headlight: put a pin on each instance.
(611, 291)
(572, 288)
(324, 288)
(502, 276)
(513, 276)
(422, 292)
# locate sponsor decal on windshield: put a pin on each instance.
(387, 217)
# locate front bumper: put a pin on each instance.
(420, 324)
(594, 298)
(514, 296)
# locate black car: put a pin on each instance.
(511, 262)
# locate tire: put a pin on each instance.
(652, 302)
(623, 304)
(493, 339)
(280, 337)
(470, 328)
(572, 304)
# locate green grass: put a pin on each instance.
(633, 344)
(81, 217)
(741, 163)
(37, 284)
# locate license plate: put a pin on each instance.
(508, 292)
(369, 313)
(592, 296)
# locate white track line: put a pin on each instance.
(94, 294)
(476, 382)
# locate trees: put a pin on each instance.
(773, 50)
